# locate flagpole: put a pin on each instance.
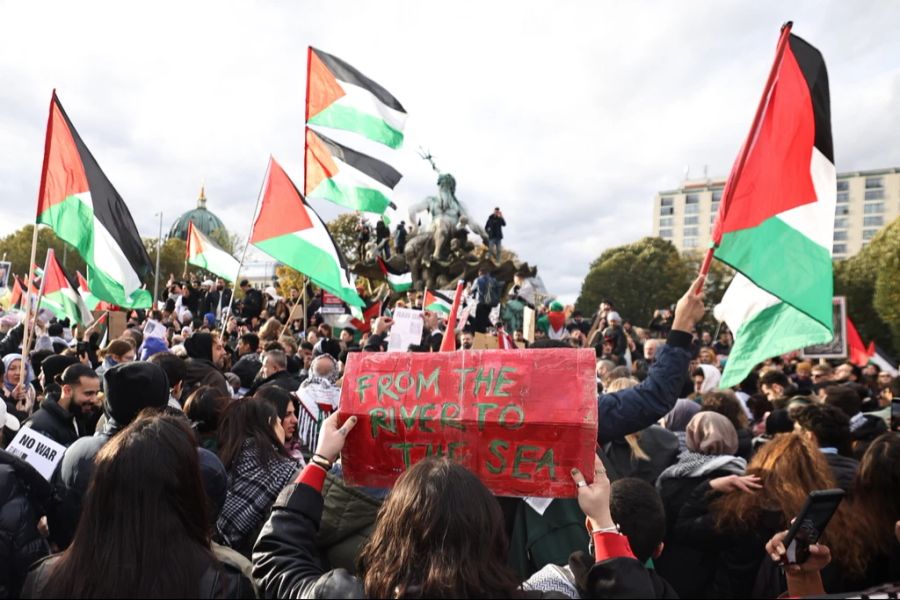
(745, 150)
(237, 276)
(34, 237)
(26, 337)
(156, 275)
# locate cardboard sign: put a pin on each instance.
(406, 330)
(528, 321)
(484, 341)
(519, 419)
(37, 450)
(837, 347)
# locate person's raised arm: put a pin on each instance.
(633, 409)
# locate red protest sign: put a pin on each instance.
(519, 419)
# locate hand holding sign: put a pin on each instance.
(332, 437)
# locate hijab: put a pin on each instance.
(711, 433)
(681, 414)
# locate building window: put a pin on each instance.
(874, 208)
(843, 185)
(873, 183)
(840, 236)
(875, 194)
(841, 210)
(691, 231)
(691, 209)
(690, 242)
(873, 221)
(692, 199)
(668, 201)
(839, 249)
(692, 220)
(665, 233)
(667, 210)
(843, 197)
(666, 221)
(840, 222)
(716, 197)
(868, 234)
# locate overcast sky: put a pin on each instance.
(568, 115)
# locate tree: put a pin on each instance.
(871, 283)
(717, 281)
(16, 247)
(637, 278)
(343, 230)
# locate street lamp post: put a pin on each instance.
(156, 276)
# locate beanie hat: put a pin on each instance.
(54, 365)
(199, 345)
(215, 481)
(132, 387)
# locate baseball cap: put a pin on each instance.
(7, 420)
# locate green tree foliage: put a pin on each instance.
(638, 278)
(343, 230)
(871, 282)
(171, 259)
(17, 249)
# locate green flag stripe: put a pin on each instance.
(356, 198)
(339, 116)
(785, 263)
(312, 261)
(438, 306)
(772, 331)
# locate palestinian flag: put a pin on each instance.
(60, 293)
(340, 97)
(437, 302)
(203, 253)
(81, 206)
(399, 282)
(776, 220)
(344, 176)
(289, 230)
(90, 299)
(38, 272)
(364, 324)
(17, 295)
(859, 353)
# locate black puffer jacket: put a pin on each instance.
(54, 421)
(23, 496)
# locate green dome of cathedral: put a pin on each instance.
(203, 219)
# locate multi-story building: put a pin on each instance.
(866, 201)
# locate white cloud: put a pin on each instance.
(569, 115)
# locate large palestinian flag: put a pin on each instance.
(344, 176)
(289, 230)
(81, 206)
(60, 293)
(776, 221)
(203, 253)
(340, 97)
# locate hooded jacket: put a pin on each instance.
(200, 367)
(56, 422)
(131, 387)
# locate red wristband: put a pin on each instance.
(312, 475)
(610, 545)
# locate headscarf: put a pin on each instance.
(681, 414)
(313, 378)
(711, 378)
(711, 433)
(8, 360)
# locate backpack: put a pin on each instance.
(490, 290)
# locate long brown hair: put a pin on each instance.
(439, 534)
(143, 530)
(876, 493)
(789, 468)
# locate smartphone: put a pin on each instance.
(895, 414)
(810, 523)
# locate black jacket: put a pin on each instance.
(863, 434)
(23, 496)
(494, 227)
(211, 300)
(282, 379)
(660, 444)
(202, 372)
(220, 580)
(844, 470)
(252, 304)
(13, 339)
(55, 422)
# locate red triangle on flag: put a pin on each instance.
(859, 354)
(63, 174)
(322, 89)
(281, 209)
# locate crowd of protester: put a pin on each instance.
(203, 460)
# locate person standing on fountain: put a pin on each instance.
(494, 228)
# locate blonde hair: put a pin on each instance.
(633, 439)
